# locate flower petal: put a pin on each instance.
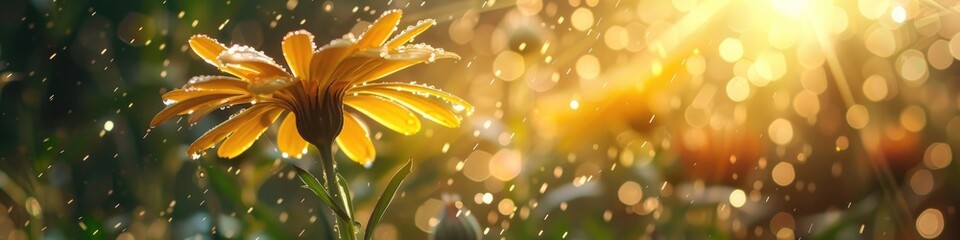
(289, 141)
(218, 133)
(397, 60)
(201, 111)
(328, 58)
(380, 30)
(179, 95)
(216, 83)
(243, 138)
(374, 88)
(425, 107)
(298, 49)
(354, 142)
(408, 34)
(261, 71)
(207, 48)
(185, 107)
(385, 112)
(249, 61)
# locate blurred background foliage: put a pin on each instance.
(629, 119)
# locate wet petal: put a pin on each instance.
(268, 85)
(398, 60)
(185, 106)
(264, 75)
(425, 107)
(216, 83)
(380, 30)
(250, 63)
(354, 67)
(326, 60)
(201, 111)
(424, 90)
(289, 141)
(243, 138)
(385, 112)
(298, 50)
(179, 95)
(408, 34)
(207, 48)
(218, 133)
(354, 141)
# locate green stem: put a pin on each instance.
(330, 174)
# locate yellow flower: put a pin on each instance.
(310, 98)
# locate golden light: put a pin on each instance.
(930, 223)
(737, 198)
(783, 173)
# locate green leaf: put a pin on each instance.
(345, 196)
(347, 228)
(386, 198)
(313, 184)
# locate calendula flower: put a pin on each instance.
(310, 97)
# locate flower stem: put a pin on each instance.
(330, 175)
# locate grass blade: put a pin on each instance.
(386, 198)
(313, 184)
(349, 228)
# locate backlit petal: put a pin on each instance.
(243, 138)
(250, 62)
(380, 30)
(326, 60)
(397, 60)
(201, 111)
(385, 112)
(207, 48)
(408, 34)
(185, 106)
(354, 141)
(427, 108)
(261, 71)
(216, 83)
(375, 88)
(218, 133)
(179, 95)
(289, 141)
(298, 49)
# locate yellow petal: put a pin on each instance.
(380, 30)
(458, 103)
(298, 49)
(207, 48)
(425, 107)
(385, 112)
(354, 67)
(264, 75)
(326, 60)
(201, 111)
(185, 106)
(411, 32)
(243, 138)
(216, 83)
(398, 60)
(354, 142)
(179, 95)
(250, 62)
(218, 133)
(289, 141)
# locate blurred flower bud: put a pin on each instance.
(455, 223)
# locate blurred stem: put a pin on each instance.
(330, 176)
